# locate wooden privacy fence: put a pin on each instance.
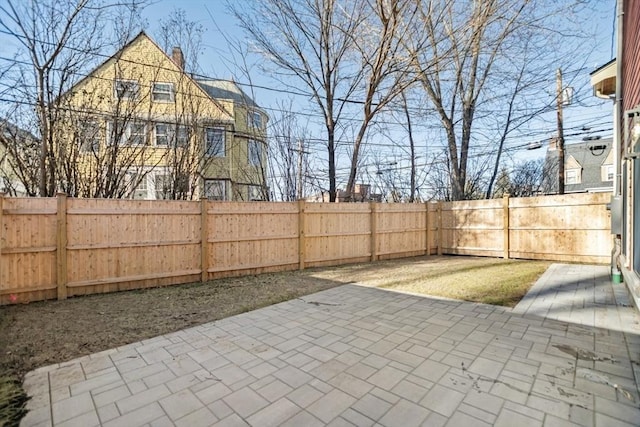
(59, 247)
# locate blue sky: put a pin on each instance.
(216, 62)
(214, 17)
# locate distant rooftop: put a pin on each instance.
(225, 89)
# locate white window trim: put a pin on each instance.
(607, 170)
(224, 187)
(170, 92)
(576, 174)
(224, 142)
(252, 123)
(251, 159)
(127, 94)
(92, 144)
(172, 134)
(125, 138)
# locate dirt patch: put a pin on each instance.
(43, 333)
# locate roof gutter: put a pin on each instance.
(618, 143)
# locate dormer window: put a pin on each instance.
(126, 89)
(572, 176)
(162, 92)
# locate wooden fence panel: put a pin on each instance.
(572, 227)
(337, 233)
(27, 249)
(473, 227)
(130, 244)
(400, 229)
(68, 246)
(251, 237)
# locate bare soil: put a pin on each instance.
(43, 333)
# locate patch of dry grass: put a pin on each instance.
(484, 280)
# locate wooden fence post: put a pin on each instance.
(1, 232)
(440, 227)
(427, 249)
(374, 231)
(505, 222)
(204, 241)
(61, 250)
(301, 243)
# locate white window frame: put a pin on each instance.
(608, 173)
(216, 194)
(134, 136)
(254, 152)
(181, 135)
(126, 89)
(126, 136)
(89, 143)
(143, 185)
(173, 134)
(165, 135)
(160, 194)
(572, 176)
(162, 92)
(210, 150)
(254, 120)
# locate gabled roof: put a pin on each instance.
(590, 156)
(170, 63)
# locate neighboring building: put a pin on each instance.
(249, 147)
(361, 193)
(619, 80)
(141, 127)
(18, 160)
(588, 167)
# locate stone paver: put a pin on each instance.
(568, 354)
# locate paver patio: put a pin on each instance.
(568, 354)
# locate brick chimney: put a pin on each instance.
(178, 57)
(553, 143)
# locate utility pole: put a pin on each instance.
(559, 96)
(299, 183)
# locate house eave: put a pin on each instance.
(603, 80)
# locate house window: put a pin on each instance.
(572, 176)
(215, 144)
(136, 133)
(89, 136)
(132, 133)
(138, 184)
(162, 186)
(126, 89)
(166, 134)
(255, 193)
(162, 92)
(182, 136)
(607, 173)
(254, 120)
(215, 189)
(255, 152)
(162, 134)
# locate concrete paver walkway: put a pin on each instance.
(352, 355)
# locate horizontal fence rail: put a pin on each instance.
(60, 247)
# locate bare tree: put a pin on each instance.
(59, 41)
(385, 66)
(311, 42)
(487, 49)
(288, 155)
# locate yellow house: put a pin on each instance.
(138, 126)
